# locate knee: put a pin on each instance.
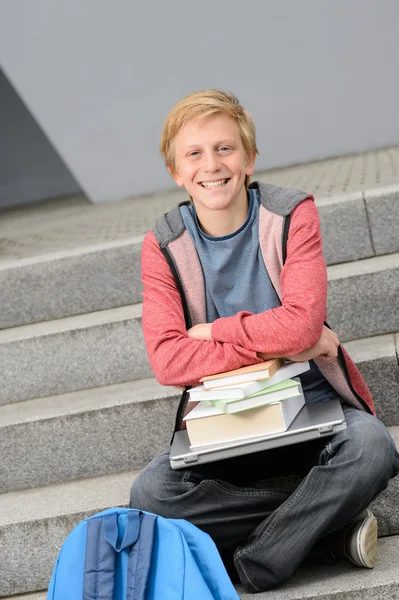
(372, 449)
(143, 493)
(159, 490)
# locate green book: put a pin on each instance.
(275, 393)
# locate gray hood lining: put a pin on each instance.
(275, 199)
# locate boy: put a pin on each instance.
(234, 277)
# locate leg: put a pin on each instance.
(218, 497)
(354, 466)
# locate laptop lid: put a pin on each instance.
(312, 422)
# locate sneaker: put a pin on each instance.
(359, 540)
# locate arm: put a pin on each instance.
(297, 324)
(175, 359)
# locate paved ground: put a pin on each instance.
(67, 223)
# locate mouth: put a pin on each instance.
(212, 185)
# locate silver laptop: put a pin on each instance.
(312, 422)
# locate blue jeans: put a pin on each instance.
(267, 510)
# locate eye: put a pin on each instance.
(224, 148)
(194, 153)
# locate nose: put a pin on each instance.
(211, 162)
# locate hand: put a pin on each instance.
(326, 347)
(202, 331)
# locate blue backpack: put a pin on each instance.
(126, 554)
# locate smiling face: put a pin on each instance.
(211, 163)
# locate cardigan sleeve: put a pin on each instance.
(297, 324)
(176, 359)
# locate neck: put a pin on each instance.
(219, 223)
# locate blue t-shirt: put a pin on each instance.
(236, 279)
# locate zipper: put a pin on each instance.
(175, 274)
(340, 358)
(187, 319)
(286, 228)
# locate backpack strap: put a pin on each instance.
(105, 540)
(140, 554)
(99, 572)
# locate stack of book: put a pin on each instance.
(249, 402)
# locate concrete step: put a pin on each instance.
(84, 434)
(38, 596)
(342, 581)
(336, 582)
(113, 428)
(72, 282)
(86, 351)
(377, 358)
(107, 347)
(363, 297)
(360, 224)
(34, 524)
(41, 283)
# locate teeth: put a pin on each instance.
(213, 184)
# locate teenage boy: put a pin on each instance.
(231, 278)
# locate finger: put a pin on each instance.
(332, 336)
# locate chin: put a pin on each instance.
(218, 203)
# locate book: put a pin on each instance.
(263, 370)
(242, 390)
(207, 425)
(281, 391)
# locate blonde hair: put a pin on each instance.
(199, 105)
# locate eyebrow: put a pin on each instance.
(225, 141)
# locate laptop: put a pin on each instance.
(313, 421)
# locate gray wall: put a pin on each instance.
(319, 76)
(30, 168)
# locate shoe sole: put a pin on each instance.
(363, 549)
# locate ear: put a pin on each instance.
(176, 177)
(249, 170)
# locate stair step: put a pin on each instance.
(363, 297)
(345, 228)
(385, 506)
(383, 215)
(85, 351)
(34, 524)
(113, 428)
(73, 282)
(336, 582)
(342, 581)
(37, 596)
(107, 347)
(377, 359)
(45, 277)
(84, 434)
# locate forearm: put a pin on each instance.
(278, 332)
(180, 361)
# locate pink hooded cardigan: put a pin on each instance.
(300, 281)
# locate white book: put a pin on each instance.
(209, 427)
(242, 390)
